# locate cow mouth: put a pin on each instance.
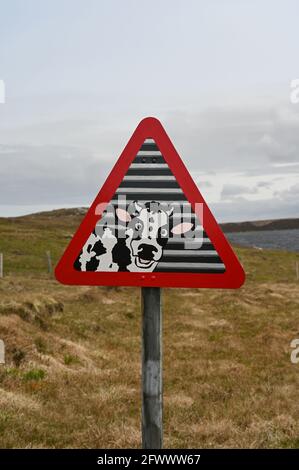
(144, 263)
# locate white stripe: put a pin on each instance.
(149, 141)
(149, 153)
(145, 166)
(126, 201)
(149, 178)
(190, 252)
(212, 266)
(198, 228)
(150, 190)
(185, 216)
(189, 241)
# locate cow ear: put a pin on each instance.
(182, 228)
(123, 215)
(138, 207)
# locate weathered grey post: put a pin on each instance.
(152, 428)
(48, 254)
(2, 352)
(1, 264)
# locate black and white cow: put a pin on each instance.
(134, 243)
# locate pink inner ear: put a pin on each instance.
(182, 228)
(123, 215)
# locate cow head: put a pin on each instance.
(147, 231)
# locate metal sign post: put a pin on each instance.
(152, 427)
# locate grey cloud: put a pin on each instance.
(66, 161)
(289, 195)
(270, 170)
(49, 174)
(237, 139)
(234, 190)
(264, 184)
(241, 209)
(203, 184)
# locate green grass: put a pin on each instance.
(70, 359)
(34, 374)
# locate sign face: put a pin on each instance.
(149, 225)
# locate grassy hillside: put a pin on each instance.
(72, 372)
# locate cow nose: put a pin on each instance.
(147, 251)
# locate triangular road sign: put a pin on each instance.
(149, 225)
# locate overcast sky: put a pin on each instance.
(81, 74)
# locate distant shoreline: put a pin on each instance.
(260, 225)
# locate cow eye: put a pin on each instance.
(164, 232)
(138, 226)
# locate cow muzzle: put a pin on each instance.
(146, 255)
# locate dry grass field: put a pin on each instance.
(72, 372)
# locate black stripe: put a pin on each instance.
(181, 245)
(129, 200)
(152, 196)
(149, 172)
(191, 270)
(149, 159)
(190, 259)
(149, 184)
(149, 146)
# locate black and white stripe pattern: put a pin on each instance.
(150, 179)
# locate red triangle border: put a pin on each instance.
(234, 275)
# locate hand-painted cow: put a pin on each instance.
(134, 242)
